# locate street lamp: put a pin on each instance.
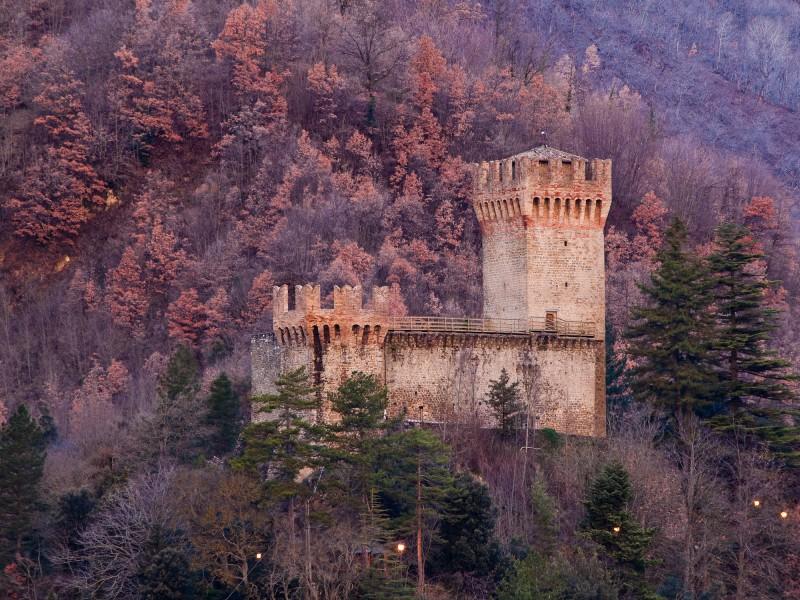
(784, 514)
(615, 529)
(401, 547)
(757, 503)
(258, 555)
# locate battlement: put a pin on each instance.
(348, 321)
(544, 186)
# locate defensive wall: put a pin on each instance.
(542, 214)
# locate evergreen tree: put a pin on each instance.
(618, 396)
(22, 455)
(177, 428)
(386, 579)
(544, 518)
(223, 415)
(672, 333)
(182, 375)
(73, 513)
(288, 441)
(748, 369)
(609, 524)
(579, 576)
(410, 472)
(504, 400)
(164, 571)
(361, 403)
(465, 542)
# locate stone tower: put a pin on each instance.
(542, 214)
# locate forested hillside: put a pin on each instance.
(164, 163)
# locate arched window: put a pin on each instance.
(337, 332)
(365, 336)
(598, 212)
(356, 331)
(326, 334)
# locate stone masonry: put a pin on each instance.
(542, 215)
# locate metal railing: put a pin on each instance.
(558, 327)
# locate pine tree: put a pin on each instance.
(748, 369)
(671, 334)
(164, 570)
(410, 471)
(22, 455)
(177, 427)
(609, 524)
(223, 415)
(288, 440)
(361, 403)
(504, 399)
(465, 541)
(181, 377)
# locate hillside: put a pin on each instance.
(165, 163)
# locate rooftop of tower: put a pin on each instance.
(545, 152)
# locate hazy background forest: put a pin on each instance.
(164, 163)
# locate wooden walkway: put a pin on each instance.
(557, 327)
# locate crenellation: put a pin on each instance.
(541, 214)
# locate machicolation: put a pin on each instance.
(542, 214)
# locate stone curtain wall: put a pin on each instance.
(445, 378)
(542, 215)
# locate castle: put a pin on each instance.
(541, 215)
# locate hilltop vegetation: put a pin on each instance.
(163, 163)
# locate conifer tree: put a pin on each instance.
(748, 369)
(182, 375)
(164, 570)
(22, 454)
(288, 440)
(609, 524)
(223, 415)
(465, 541)
(361, 403)
(177, 428)
(671, 333)
(505, 403)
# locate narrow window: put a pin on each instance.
(365, 337)
(565, 243)
(513, 169)
(337, 332)
(356, 331)
(598, 211)
(326, 334)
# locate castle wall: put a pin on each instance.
(566, 274)
(446, 378)
(542, 215)
(505, 268)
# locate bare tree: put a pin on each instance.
(111, 547)
(372, 42)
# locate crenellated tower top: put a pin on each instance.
(542, 214)
(347, 321)
(543, 185)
